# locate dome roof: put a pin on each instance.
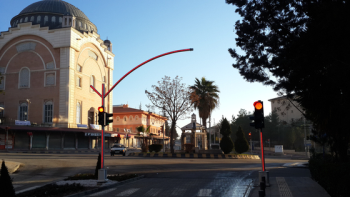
(54, 6)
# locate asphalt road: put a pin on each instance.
(163, 177)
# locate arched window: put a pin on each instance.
(23, 111)
(50, 79)
(65, 21)
(26, 19)
(130, 118)
(125, 118)
(86, 27)
(70, 22)
(46, 19)
(21, 20)
(60, 20)
(118, 118)
(38, 19)
(24, 77)
(78, 120)
(136, 118)
(79, 24)
(53, 19)
(48, 112)
(32, 18)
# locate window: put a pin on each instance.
(26, 19)
(53, 19)
(48, 109)
(38, 19)
(118, 118)
(104, 78)
(26, 46)
(49, 79)
(78, 113)
(93, 55)
(79, 68)
(130, 118)
(79, 82)
(92, 81)
(46, 19)
(23, 111)
(86, 27)
(2, 81)
(50, 65)
(79, 24)
(117, 129)
(32, 18)
(24, 77)
(125, 118)
(2, 111)
(70, 22)
(21, 20)
(136, 118)
(65, 21)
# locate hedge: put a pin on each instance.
(155, 147)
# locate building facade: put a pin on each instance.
(287, 111)
(126, 120)
(49, 57)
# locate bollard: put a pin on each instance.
(262, 187)
(261, 193)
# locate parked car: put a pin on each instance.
(118, 149)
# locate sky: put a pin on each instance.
(140, 30)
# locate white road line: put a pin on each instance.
(103, 192)
(153, 192)
(128, 192)
(28, 189)
(204, 192)
(283, 187)
(178, 192)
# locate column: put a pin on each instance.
(31, 142)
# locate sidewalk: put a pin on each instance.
(289, 182)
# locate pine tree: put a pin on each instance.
(226, 143)
(241, 143)
(98, 165)
(6, 187)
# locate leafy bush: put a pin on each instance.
(53, 190)
(334, 177)
(155, 147)
(241, 143)
(6, 186)
(226, 144)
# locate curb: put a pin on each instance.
(196, 155)
(84, 193)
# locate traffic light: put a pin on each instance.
(258, 116)
(259, 122)
(250, 135)
(107, 118)
(101, 116)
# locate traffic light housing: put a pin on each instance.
(258, 116)
(259, 121)
(101, 116)
(250, 135)
(107, 118)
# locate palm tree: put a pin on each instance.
(205, 98)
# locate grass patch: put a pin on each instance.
(53, 190)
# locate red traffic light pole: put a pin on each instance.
(105, 94)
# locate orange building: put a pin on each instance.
(126, 120)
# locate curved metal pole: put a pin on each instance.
(164, 54)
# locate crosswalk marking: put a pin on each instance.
(128, 192)
(153, 192)
(103, 192)
(204, 192)
(28, 189)
(178, 192)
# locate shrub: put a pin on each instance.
(334, 177)
(155, 147)
(6, 186)
(122, 177)
(241, 143)
(98, 165)
(226, 144)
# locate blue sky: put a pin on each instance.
(140, 30)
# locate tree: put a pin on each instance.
(174, 98)
(142, 132)
(303, 44)
(226, 143)
(6, 186)
(241, 143)
(205, 98)
(98, 165)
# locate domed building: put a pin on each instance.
(49, 57)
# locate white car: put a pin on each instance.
(118, 149)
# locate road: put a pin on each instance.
(163, 177)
